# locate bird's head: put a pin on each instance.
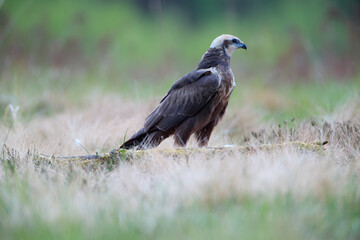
(229, 43)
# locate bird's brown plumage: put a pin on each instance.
(195, 103)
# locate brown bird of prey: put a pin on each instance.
(195, 103)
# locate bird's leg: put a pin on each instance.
(184, 131)
(181, 138)
(203, 135)
(178, 140)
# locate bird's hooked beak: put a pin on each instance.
(241, 45)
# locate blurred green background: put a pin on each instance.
(307, 51)
(303, 61)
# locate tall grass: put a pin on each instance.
(282, 194)
(92, 71)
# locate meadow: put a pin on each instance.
(96, 85)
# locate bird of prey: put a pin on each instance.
(195, 103)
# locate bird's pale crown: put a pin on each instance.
(218, 42)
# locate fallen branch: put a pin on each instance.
(127, 155)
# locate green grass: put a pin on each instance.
(311, 100)
(131, 38)
(285, 217)
(143, 57)
(41, 92)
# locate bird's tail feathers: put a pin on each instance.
(144, 140)
(135, 140)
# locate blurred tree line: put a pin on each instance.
(203, 10)
(291, 39)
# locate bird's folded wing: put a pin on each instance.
(185, 99)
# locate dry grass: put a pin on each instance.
(141, 197)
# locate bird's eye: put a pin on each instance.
(235, 40)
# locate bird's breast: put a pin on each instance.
(227, 80)
(233, 78)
